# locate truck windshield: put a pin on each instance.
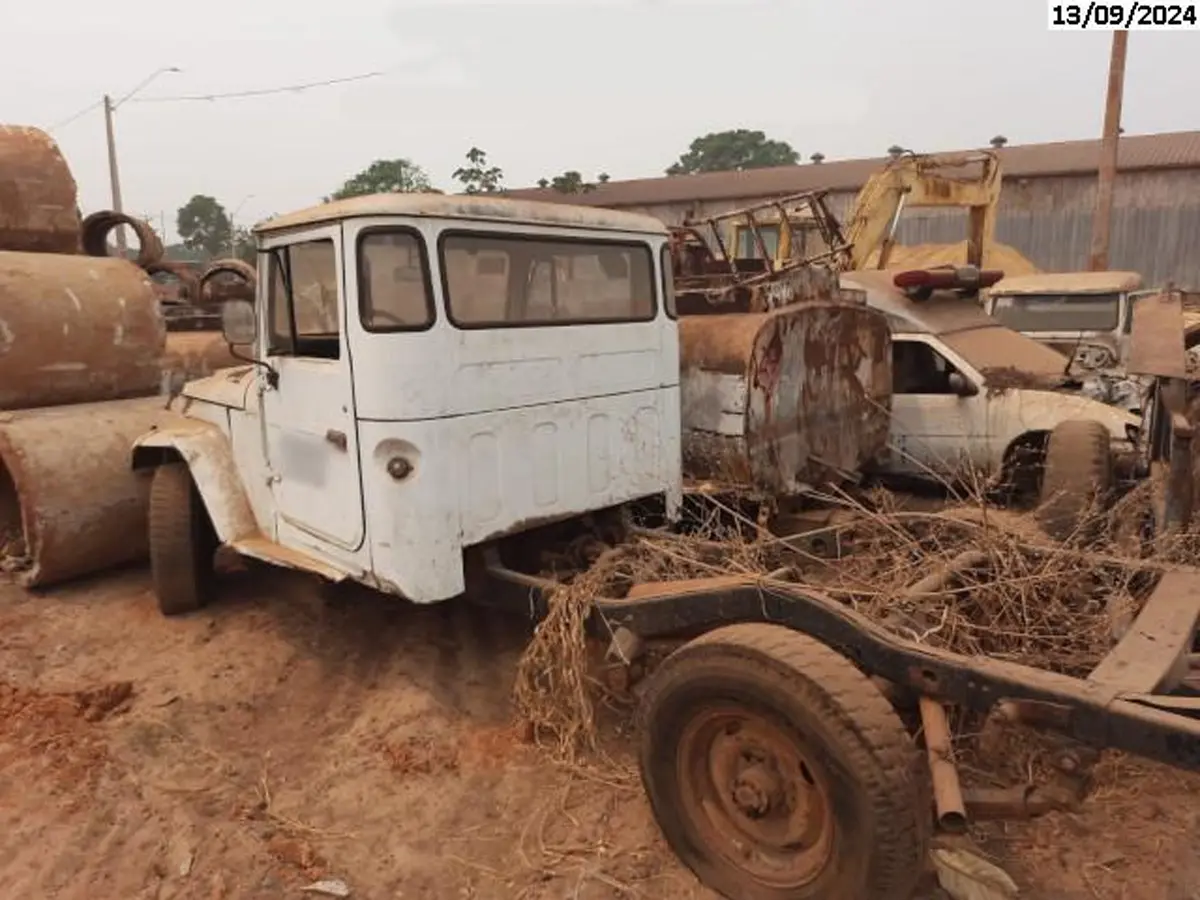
(1059, 312)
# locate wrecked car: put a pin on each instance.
(970, 394)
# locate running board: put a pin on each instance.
(269, 551)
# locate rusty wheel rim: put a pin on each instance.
(749, 788)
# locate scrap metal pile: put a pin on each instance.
(87, 348)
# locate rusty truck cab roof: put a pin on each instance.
(1070, 283)
(466, 207)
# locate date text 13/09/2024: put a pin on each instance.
(1135, 16)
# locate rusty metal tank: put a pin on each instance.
(76, 329)
(70, 504)
(38, 196)
(778, 402)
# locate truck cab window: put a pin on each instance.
(303, 300)
(495, 281)
(393, 281)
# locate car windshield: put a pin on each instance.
(992, 346)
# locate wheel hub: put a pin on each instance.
(751, 785)
(756, 791)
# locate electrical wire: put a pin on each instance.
(230, 95)
(69, 119)
(259, 92)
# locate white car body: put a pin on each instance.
(425, 427)
(936, 432)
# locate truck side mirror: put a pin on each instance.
(961, 385)
(239, 323)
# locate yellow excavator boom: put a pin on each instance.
(963, 180)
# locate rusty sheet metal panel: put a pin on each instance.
(194, 354)
(782, 401)
(70, 503)
(38, 197)
(76, 329)
(1156, 338)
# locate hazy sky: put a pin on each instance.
(620, 86)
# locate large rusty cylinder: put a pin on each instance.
(39, 210)
(70, 502)
(779, 402)
(76, 329)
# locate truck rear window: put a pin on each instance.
(496, 281)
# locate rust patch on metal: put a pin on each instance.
(39, 210)
(1156, 338)
(779, 402)
(76, 329)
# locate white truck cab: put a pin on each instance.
(425, 374)
(1085, 315)
(969, 393)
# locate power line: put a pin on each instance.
(259, 92)
(69, 119)
(230, 95)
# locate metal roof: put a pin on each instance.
(1070, 283)
(1168, 150)
(462, 206)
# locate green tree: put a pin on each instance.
(479, 177)
(244, 247)
(733, 151)
(204, 225)
(571, 182)
(385, 176)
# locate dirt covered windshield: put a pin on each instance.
(994, 349)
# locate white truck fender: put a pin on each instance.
(207, 452)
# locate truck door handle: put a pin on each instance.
(337, 438)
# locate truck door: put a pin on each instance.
(309, 434)
(935, 429)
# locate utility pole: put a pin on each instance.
(1102, 216)
(114, 177)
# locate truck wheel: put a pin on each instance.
(1076, 475)
(182, 542)
(777, 771)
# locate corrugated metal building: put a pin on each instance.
(1045, 207)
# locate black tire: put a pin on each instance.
(862, 774)
(1077, 478)
(182, 542)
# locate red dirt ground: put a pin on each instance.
(280, 737)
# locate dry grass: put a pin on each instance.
(1036, 602)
